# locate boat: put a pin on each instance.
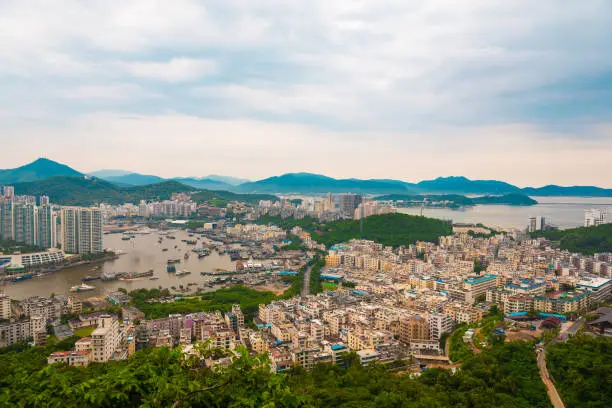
(173, 261)
(154, 278)
(126, 238)
(186, 256)
(22, 278)
(137, 275)
(90, 278)
(170, 268)
(107, 277)
(164, 249)
(202, 255)
(171, 237)
(182, 272)
(82, 288)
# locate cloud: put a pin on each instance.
(175, 70)
(111, 92)
(388, 69)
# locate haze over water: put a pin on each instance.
(563, 212)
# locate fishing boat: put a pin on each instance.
(126, 238)
(107, 277)
(182, 272)
(202, 254)
(164, 249)
(136, 275)
(154, 278)
(173, 261)
(82, 288)
(170, 268)
(90, 278)
(186, 256)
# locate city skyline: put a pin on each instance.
(349, 89)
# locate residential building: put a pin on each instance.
(105, 339)
(81, 230)
(595, 217)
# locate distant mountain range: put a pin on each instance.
(301, 183)
(316, 183)
(127, 178)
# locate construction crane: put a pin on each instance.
(423, 205)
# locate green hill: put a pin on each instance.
(387, 229)
(586, 240)
(89, 191)
(37, 170)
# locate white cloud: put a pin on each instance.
(175, 70)
(112, 92)
(390, 70)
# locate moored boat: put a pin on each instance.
(82, 288)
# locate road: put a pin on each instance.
(306, 283)
(550, 386)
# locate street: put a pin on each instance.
(306, 283)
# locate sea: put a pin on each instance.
(562, 212)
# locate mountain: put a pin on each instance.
(234, 181)
(127, 179)
(37, 170)
(317, 183)
(573, 191)
(205, 183)
(463, 185)
(108, 173)
(134, 179)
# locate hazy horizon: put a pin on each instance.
(513, 91)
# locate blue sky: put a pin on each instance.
(519, 91)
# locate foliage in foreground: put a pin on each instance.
(506, 376)
(582, 369)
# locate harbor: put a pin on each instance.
(142, 265)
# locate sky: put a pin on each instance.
(519, 91)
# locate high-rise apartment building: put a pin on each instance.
(533, 224)
(8, 191)
(6, 219)
(81, 230)
(43, 200)
(595, 217)
(46, 227)
(24, 224)
(348, 203)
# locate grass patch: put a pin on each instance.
(84, 331)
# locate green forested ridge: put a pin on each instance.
(387, 229)
(67, 190)
(586, 240)
(582, 369)
(505, 376)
